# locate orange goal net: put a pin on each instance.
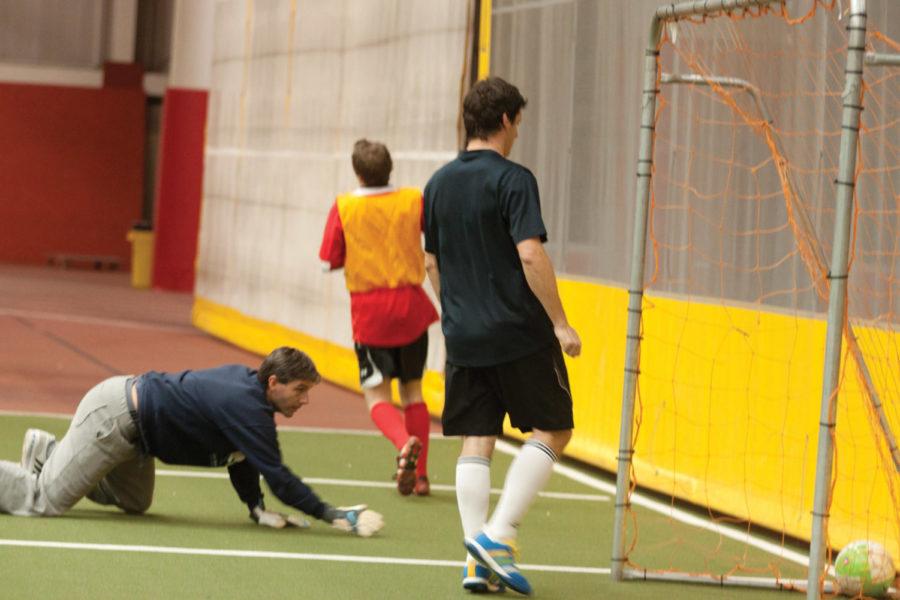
(729, 313)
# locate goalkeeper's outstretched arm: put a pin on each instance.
(357, 520)
(264, 458)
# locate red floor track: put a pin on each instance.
(62, 331)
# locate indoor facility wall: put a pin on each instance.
(71, 173)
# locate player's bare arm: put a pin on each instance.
(542, 280)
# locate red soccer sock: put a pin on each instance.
(418, 423)
(387, 418)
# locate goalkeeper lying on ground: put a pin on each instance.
(213, 417)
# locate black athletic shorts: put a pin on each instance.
(533, 390)
(378, 364)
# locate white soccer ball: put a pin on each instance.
(865, 567)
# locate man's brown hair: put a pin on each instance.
(372, 163)
(485, 105)
(288, 364)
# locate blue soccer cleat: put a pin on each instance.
(500, 558)
(478, 579)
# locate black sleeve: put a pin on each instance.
(245, 480)
(430, 229)
(520, 204)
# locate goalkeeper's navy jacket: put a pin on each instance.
(205, 417)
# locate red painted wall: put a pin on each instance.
(179, 189)
(71, 170)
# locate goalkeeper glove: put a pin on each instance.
(358, 520)
(276, 520)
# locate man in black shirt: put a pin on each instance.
(504, 325)
(214, 417)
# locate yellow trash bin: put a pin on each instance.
(141, 256)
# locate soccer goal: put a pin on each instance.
(762, 368)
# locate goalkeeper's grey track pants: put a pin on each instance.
(99, 457)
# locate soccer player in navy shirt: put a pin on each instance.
(221, 417)
(504, 325)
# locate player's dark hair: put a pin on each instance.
(288, 364)
(486, 103)
(372, 163)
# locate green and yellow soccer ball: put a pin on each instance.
(864, 567)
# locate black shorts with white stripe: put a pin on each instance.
(532, 390)
(378, 364)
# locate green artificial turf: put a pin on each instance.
(204, 513)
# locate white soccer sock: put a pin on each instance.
(473, 492)
(527, 475)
